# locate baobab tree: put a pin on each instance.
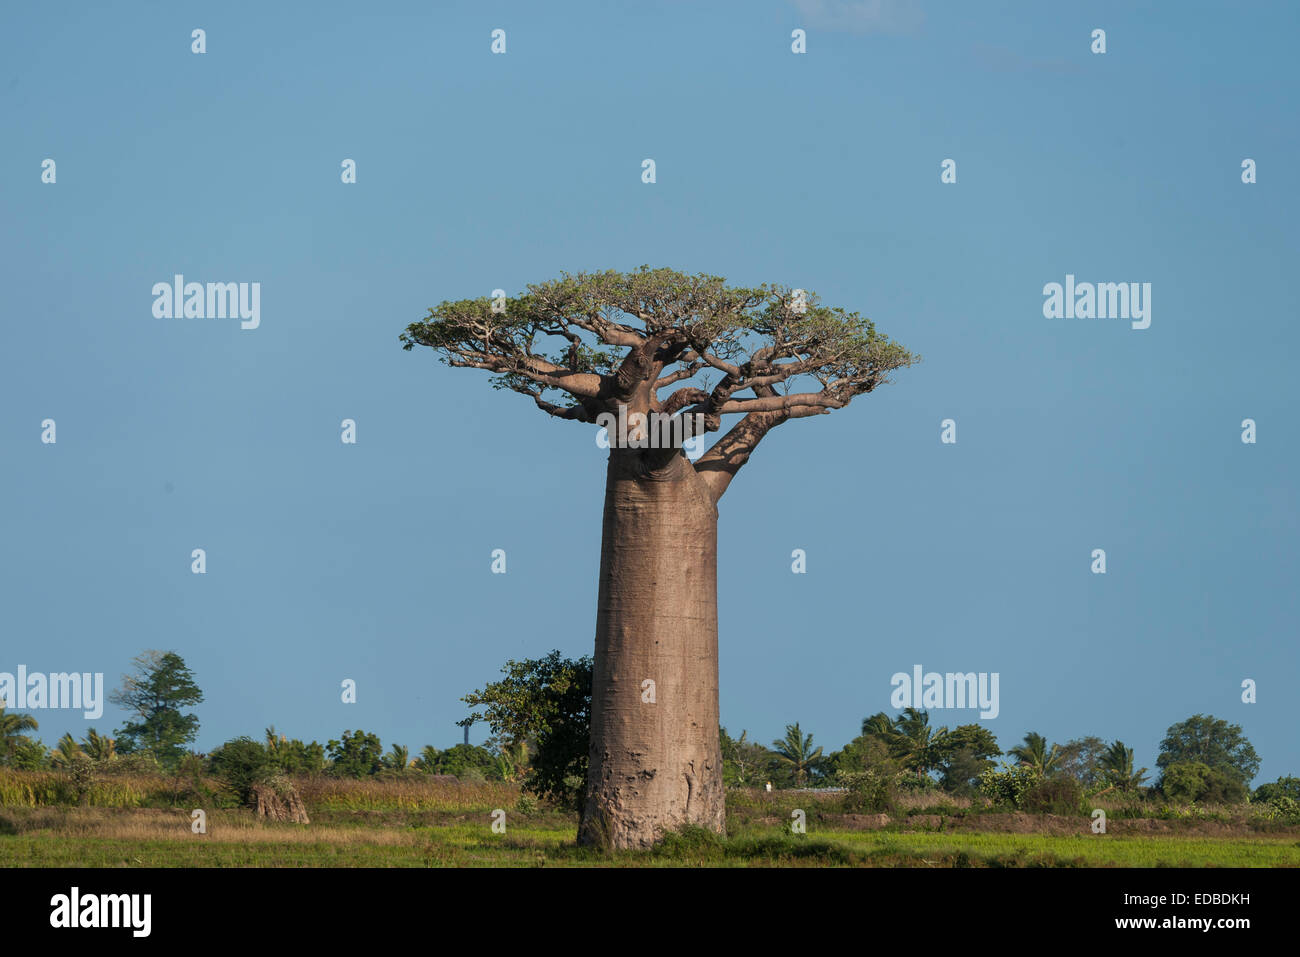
(590, 346)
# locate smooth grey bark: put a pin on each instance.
(655, 765)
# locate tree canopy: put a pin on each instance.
(795, 751)
(657, 340)
(546, 701)
(921, 748)
(12, 739)
(155, 693)
(1210, 741)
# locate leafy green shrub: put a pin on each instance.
(868, 792)
(1008, 785)
(190, 788)
(906, 782)
(28, 754)
(467, 762)
(1196, 782)
(570, 795)
(81, 775)
(1124, 807)
(294, 757)
(356, 754)
(1283, 809)
(1058, 795)
(546, 701)
(137, 762)
(240, 764)
(1282, 787)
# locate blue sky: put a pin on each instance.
(477, 171)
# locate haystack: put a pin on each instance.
(280, 802)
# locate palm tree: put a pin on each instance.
(918, 745)
(797, 751)
(399, 759)
(99, 747)
(66, 751)
(512, 760)
(910, 739)
(1117, 765)
(879, 725)
(12, 727)
(428, 759)
(1036, 754)
(273, 740)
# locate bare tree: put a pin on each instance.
(650, 341)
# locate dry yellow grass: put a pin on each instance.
(41, 788)
(413, 792)
(922, 800)
(231, 827)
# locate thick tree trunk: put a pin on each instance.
(655, 757)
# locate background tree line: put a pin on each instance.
(539, 713)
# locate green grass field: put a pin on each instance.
(95, 837)
(412, 823)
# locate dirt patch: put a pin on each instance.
(1022, 823)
